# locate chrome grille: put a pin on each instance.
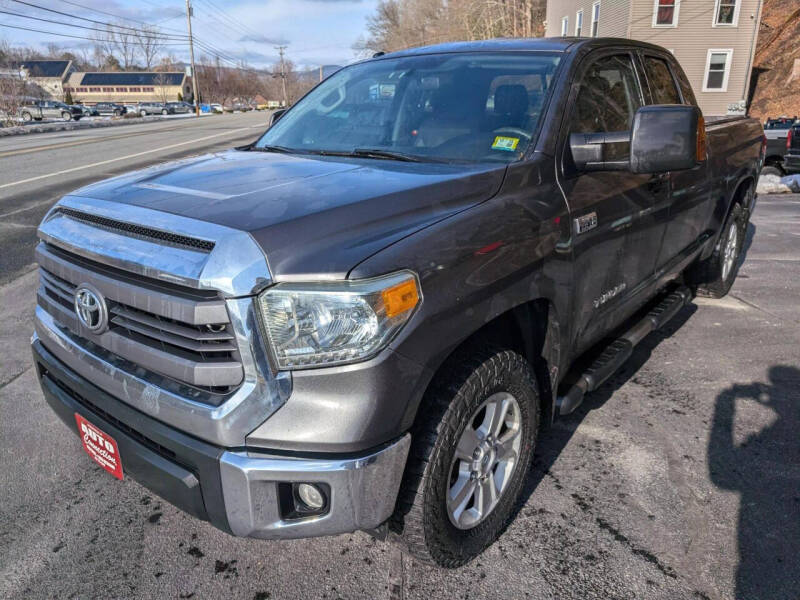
(197, 348)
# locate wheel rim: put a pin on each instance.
(484, 462)
(729, 253)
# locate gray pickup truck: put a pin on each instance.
(36, 110)
(361, 320)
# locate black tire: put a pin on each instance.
(65, 116)
(27, 117)
(421, 519)
(164, 111)
(772, 170)
(142, 113)
(117, 113)
(709, 277)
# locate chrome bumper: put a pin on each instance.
(363, 491)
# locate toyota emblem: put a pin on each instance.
(91, 308)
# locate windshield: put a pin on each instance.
(451, 107)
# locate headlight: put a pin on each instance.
(332, 323)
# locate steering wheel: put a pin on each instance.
(516, 131)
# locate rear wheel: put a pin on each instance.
(65, 116)
(164, 111)
(143, 113)
(470, 455)
(772, 170)
(27, 117)
(714, 276)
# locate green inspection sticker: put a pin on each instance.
(508, 144)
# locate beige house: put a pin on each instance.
(129, 87)
(714, 40)
(49, 75)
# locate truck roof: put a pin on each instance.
(551, 44)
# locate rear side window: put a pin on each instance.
(662, 85)
(608, 96)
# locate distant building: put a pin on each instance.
(49, 75)
(129, 87)
(714, 40)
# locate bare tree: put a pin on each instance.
(119, 44)
(398, 24)
(149, 43)
(161, 84)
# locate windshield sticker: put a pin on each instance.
(508, 144)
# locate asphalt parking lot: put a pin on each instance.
(679, 478)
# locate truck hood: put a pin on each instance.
(312, 216)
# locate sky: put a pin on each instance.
(316, 32)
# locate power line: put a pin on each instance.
(132, 20)
(139, 33)
(63, 14)
(77, 37)
(236, 23)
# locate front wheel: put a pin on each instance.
(471, 451)
(143, 113)
(65, 116)
(164, 111)
(27, 117)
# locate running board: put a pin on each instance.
(618, 351)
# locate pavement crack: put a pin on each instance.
(635, 550)
(763, 310)
(14, 378)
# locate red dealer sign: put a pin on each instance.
(100, 446)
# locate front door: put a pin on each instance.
(616, 231)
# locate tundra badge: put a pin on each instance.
(585, 223)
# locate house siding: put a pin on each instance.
(613, 17)
(690, 41)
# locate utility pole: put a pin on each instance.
(191, 57)
(280, 50)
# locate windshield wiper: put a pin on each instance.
(280, 149)
(369, 153)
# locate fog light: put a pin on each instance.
(311, 496)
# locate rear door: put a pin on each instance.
(616, 233)
(689, 192)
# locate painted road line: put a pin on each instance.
(111, 160)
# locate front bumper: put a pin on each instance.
(236, 490)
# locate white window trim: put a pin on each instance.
(728, 61)
(675, 15)
(735, 15)
(579, 23)
(591, 25)
(564, 26)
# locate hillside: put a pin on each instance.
(777, 62)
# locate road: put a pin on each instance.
(678, 479)
(37, 169)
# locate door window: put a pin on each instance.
(662, 85)
(608, 96)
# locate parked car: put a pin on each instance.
(155, 108)
(88, 111)
(131, 108)
(791, 161)
(776, 131)
(381, 357)
(216, 108)
(111, 108)
(36, 110)
(181, 107)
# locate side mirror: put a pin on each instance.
(276, 114)
(668, 137)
